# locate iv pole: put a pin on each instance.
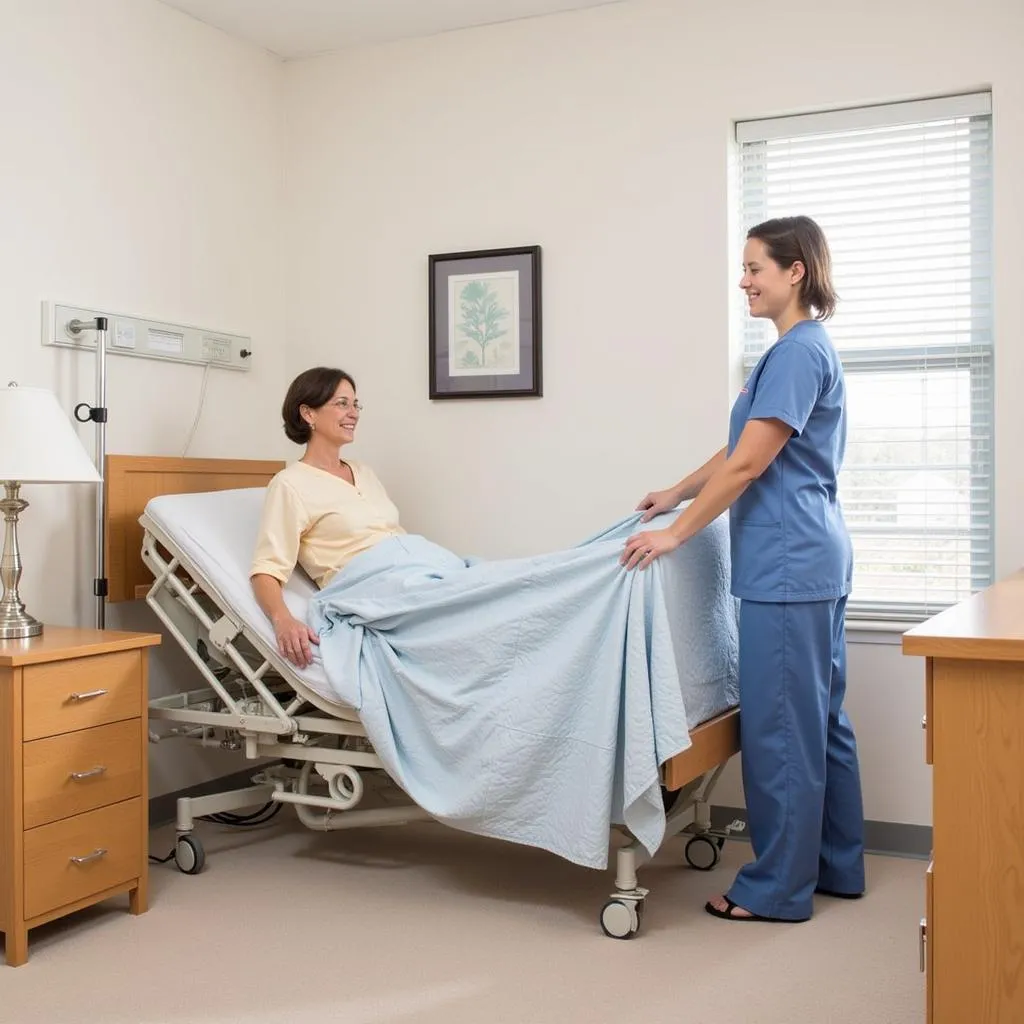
(98, 415)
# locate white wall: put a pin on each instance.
(141, 172)
(604, 135)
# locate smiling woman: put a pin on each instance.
(784, 254)
(321, 411)
(321, 511)
(791, 564)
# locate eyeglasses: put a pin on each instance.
(344, 404)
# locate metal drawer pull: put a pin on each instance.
(95, 855)
(92, 772)
(88, 695)
(922, 939)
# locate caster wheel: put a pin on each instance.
(620, 919)
(701, 853)
(188, 855)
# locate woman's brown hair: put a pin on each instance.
(314, 388)
(792, 239)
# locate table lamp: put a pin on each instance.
(38, 445)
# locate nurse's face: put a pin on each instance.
(770, 289)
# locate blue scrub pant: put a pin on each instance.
(799, 758)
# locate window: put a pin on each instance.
(903, 193)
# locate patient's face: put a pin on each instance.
(336, 420)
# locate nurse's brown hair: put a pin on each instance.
(790, 240)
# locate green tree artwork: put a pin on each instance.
(482, 315)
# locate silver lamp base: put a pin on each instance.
(15, 622)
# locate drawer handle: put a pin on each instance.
(924, 721)
(922, 939)
(91, 773)
(88, 695)
(95, 855)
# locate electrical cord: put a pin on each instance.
(266, 813)
(199, 410)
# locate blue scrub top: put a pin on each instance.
(788, 538)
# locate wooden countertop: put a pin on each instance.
(988, 626)
(56, 641)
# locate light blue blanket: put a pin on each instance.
(532, 699)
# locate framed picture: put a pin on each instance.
(485, 323)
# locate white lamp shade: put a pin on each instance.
(38, 444)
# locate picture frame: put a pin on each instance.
(485, 323)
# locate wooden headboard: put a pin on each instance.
(133, 479)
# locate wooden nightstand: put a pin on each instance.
(73, 776)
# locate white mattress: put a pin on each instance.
(216, 532)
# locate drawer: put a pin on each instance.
(80, 771)
(72, 859)
(63, 696)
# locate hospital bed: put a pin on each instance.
(189, 526)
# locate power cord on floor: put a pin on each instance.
(266, 813)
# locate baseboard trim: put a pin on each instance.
(892, 838)
(163, 810)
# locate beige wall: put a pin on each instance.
(604, 135)
(141, 172)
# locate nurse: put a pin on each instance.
(791, 570)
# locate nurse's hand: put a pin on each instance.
(644, 548)
(657, 502)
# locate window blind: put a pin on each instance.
(903, 193)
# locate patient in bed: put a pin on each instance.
(530, 699)
(321, 511)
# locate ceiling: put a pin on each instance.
(301, 28)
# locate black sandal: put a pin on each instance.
(728, 915)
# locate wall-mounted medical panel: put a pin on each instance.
(151, 339)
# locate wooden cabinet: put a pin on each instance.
(973, 893)
(73, 776)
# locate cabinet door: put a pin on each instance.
(977, 924)
(928, 937)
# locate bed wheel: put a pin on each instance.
(701, 853)
(620, 919)
(188, 855)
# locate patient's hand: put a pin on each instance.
(293, 640)
(657, 502)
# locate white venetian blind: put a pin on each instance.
(903, 193)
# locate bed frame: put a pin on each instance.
(253, 703)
